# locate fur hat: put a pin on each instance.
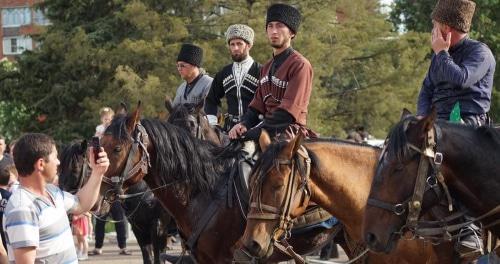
(191, 54)
(454, 13)
(239, 31)
(285, 14)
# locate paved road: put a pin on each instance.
(110, 253)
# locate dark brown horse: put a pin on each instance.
(192, 118)
(336, 175)
(191, 177)
(425, 154)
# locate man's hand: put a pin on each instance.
(438, 43)
(237, 131)
(100, 166)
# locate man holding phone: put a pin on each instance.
(461, 69)
(35, 218)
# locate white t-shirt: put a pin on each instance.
(31, 220)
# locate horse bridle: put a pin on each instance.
(429, 157)
(268, 212)
(140, 143)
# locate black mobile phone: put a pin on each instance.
(96, 147)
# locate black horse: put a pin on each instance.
(148, 219)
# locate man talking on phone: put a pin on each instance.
(35, 218)
(461, 69)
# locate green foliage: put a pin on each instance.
(99, 53)
(13, 116)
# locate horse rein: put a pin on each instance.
(268, 212)
(430, 156)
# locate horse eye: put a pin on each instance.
(400, 167)
(118, 149)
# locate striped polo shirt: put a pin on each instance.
(30, 220)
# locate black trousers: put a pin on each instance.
(117, 214)
(477, 120)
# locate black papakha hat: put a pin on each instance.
(285, 14)
(454, 13)
(191, 54)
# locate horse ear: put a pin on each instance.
(405, 113)
(294, 145)
(264, 140)
(428, 121)
(199, 106)
(122, 109)
(298, 142)
(168, 104)
(134, 118)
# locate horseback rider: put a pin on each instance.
(461, 69)
(462, 72)
(196, 83)
(237, 81)
(285, 84)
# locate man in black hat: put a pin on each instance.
(196, 85)
(461, 69)
(285, 83)
(236, 81)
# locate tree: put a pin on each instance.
(103, 52)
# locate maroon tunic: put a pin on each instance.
(289, 89)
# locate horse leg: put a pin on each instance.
(144, 241)
(159, 237)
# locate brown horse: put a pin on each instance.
(336, 175)
(459, 160)
(191, 179)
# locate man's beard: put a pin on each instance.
(278, 45)
(239, 57)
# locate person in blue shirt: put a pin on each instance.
(461, 69)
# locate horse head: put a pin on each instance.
(192, 118)
(280, 192)
(407, 161)
(126, 142)
(72, 171)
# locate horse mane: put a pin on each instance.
(399, 149)
(268, 159)
(180, 156)
(398, 146)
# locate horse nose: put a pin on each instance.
(254, 248)
(371, 240)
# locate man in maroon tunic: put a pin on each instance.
(283, 92)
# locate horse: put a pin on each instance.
(192, 118)
(192, 178)
(144, 212)
(336, 175)
(422, 155)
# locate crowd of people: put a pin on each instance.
(272, 97)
